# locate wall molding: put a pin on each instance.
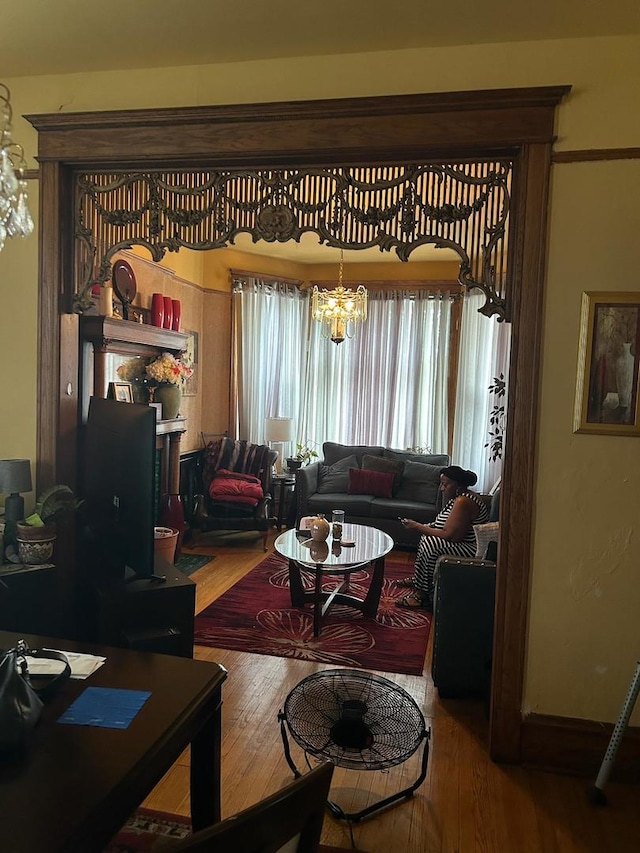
(592, 154)
(577, 747)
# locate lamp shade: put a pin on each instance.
(15, 476)
(278, 429)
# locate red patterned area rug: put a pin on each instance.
(256, 616)
(147, 831)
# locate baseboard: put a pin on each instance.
(577, 747)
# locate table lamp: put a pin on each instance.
(278, 431)
(15, 477)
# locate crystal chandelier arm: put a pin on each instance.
(15, 219)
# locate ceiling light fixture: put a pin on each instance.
(339, 310)
(15, 219)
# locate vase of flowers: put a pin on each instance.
(168, 374)
(134, 370)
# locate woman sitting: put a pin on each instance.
(451, 533)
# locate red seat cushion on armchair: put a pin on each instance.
(232, 487)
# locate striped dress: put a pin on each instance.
(432, 547)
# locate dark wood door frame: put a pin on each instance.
(413, 128)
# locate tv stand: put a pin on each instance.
(152, 614)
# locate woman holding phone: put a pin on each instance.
(451, 533)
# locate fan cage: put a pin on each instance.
(391, 716)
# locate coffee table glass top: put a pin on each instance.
(369, 545)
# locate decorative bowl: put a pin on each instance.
(35, 553)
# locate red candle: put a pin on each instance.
(168, 312)
(157, 309)
(177, 311)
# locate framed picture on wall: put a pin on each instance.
(607, 392)
(190, 358)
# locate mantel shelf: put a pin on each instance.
(173, 425)
(106, 331)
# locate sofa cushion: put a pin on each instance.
(354, 506)
(335, 478)
(485, 533)
(395, 510)
(420, 482)
(379, 463)
(440, 459)
(232, 487)
(376, 483)
(332, 452)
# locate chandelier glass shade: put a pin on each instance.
(15, 219)
(339, 310)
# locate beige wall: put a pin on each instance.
(585, 593)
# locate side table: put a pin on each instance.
(283, 487)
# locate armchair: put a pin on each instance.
(240, 471)
(463, 616)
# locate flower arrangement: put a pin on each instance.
(168, 368)
(132, 370)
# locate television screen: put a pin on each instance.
(118, 478)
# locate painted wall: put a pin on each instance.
(585, 589)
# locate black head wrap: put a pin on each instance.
(460, 475)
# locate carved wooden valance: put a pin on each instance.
(463, 207)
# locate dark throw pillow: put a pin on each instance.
(333, 452)
(376, 483)
(334, 479)
(420, 483)
(379, 463)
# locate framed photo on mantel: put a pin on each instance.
(121, 391)
(607, 392)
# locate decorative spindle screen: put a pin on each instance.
(462, 206)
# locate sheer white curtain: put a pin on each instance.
(270, 330)
(484, 354)
(388, 385)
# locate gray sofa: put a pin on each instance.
(341, 478)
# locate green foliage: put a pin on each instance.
(51, 505)
(497, 418)
(305, 452)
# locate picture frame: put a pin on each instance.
(190, 358)
(120, 391)
(607, 391)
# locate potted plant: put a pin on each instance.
(303, 455)
(36, 535)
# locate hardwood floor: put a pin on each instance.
(467, 804)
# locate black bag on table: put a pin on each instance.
(21, 702)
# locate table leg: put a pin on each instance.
(372, 598)
(296, 589)
(205, 771)
(317, 601)
(281, 495)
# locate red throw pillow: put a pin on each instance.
(376, 483)
(236, 488)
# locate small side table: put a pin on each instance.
(283, 485)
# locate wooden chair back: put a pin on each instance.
(289, 821)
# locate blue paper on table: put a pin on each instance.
(107, 707)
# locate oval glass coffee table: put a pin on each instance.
(331, 559)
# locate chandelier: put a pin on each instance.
(15, 219)
(339, 310)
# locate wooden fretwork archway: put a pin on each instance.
(460, 206)
(437, 128)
